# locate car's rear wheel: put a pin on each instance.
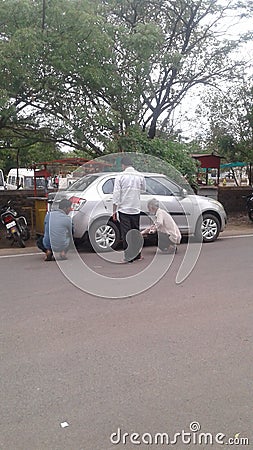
(104, 236)
(208, 228)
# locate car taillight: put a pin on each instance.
(77, 202)
(7, 219)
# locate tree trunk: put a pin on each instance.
(152, 128)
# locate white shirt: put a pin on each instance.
(127, 190)
(165, 224)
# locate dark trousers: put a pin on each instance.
(133, 241)
(163, 241)
(40, 245)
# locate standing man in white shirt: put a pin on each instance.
(126, 201)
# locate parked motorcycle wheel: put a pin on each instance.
(19, 240)
(25, 233)
(250, 214)
(24, 230)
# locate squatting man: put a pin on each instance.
(169, 235)
(58, 230)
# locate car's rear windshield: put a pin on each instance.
(82, 183)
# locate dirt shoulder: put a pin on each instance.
(238, 224)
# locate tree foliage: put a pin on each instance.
(83, 73)
(26, 157)
(230, 121)
(174, 153)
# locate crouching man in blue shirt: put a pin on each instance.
(57, 232)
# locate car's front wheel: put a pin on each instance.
(104, 236)
(208, 228)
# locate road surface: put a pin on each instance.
(79, 372)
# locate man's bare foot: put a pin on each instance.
(63, 256)
(49, 255)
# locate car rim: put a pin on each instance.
(105, 236)
(209, 229)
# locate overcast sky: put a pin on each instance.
(234, 28)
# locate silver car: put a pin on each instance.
(91, 198)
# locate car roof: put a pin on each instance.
(101, 174)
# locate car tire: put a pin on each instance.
(104, 236)
(208, 228)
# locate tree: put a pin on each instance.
(229, 115)
(166, 48)
(82, 72)
(26, 157)
(174, 153)
(48, 72)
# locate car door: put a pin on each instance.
(105, 191)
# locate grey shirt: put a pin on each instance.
(58, 230)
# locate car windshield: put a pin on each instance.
(29, 182)
(82, 183)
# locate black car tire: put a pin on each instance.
(104, 236)
(208, 228)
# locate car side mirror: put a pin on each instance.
(183, 192)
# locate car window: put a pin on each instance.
(155, 187)
(172, 187)
(108, 186)
(82, 183)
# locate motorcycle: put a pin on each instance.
(16, 226)
(249, 204)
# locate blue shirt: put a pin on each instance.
(57, 230)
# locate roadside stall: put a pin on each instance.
(207, 162)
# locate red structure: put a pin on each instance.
(65, 165)
(210, 161)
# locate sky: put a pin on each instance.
(234, 28)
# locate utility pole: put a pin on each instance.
(17, 166)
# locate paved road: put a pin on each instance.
(155, 362)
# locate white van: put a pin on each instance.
(65, 182)
(25, 179)
(2, 182)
